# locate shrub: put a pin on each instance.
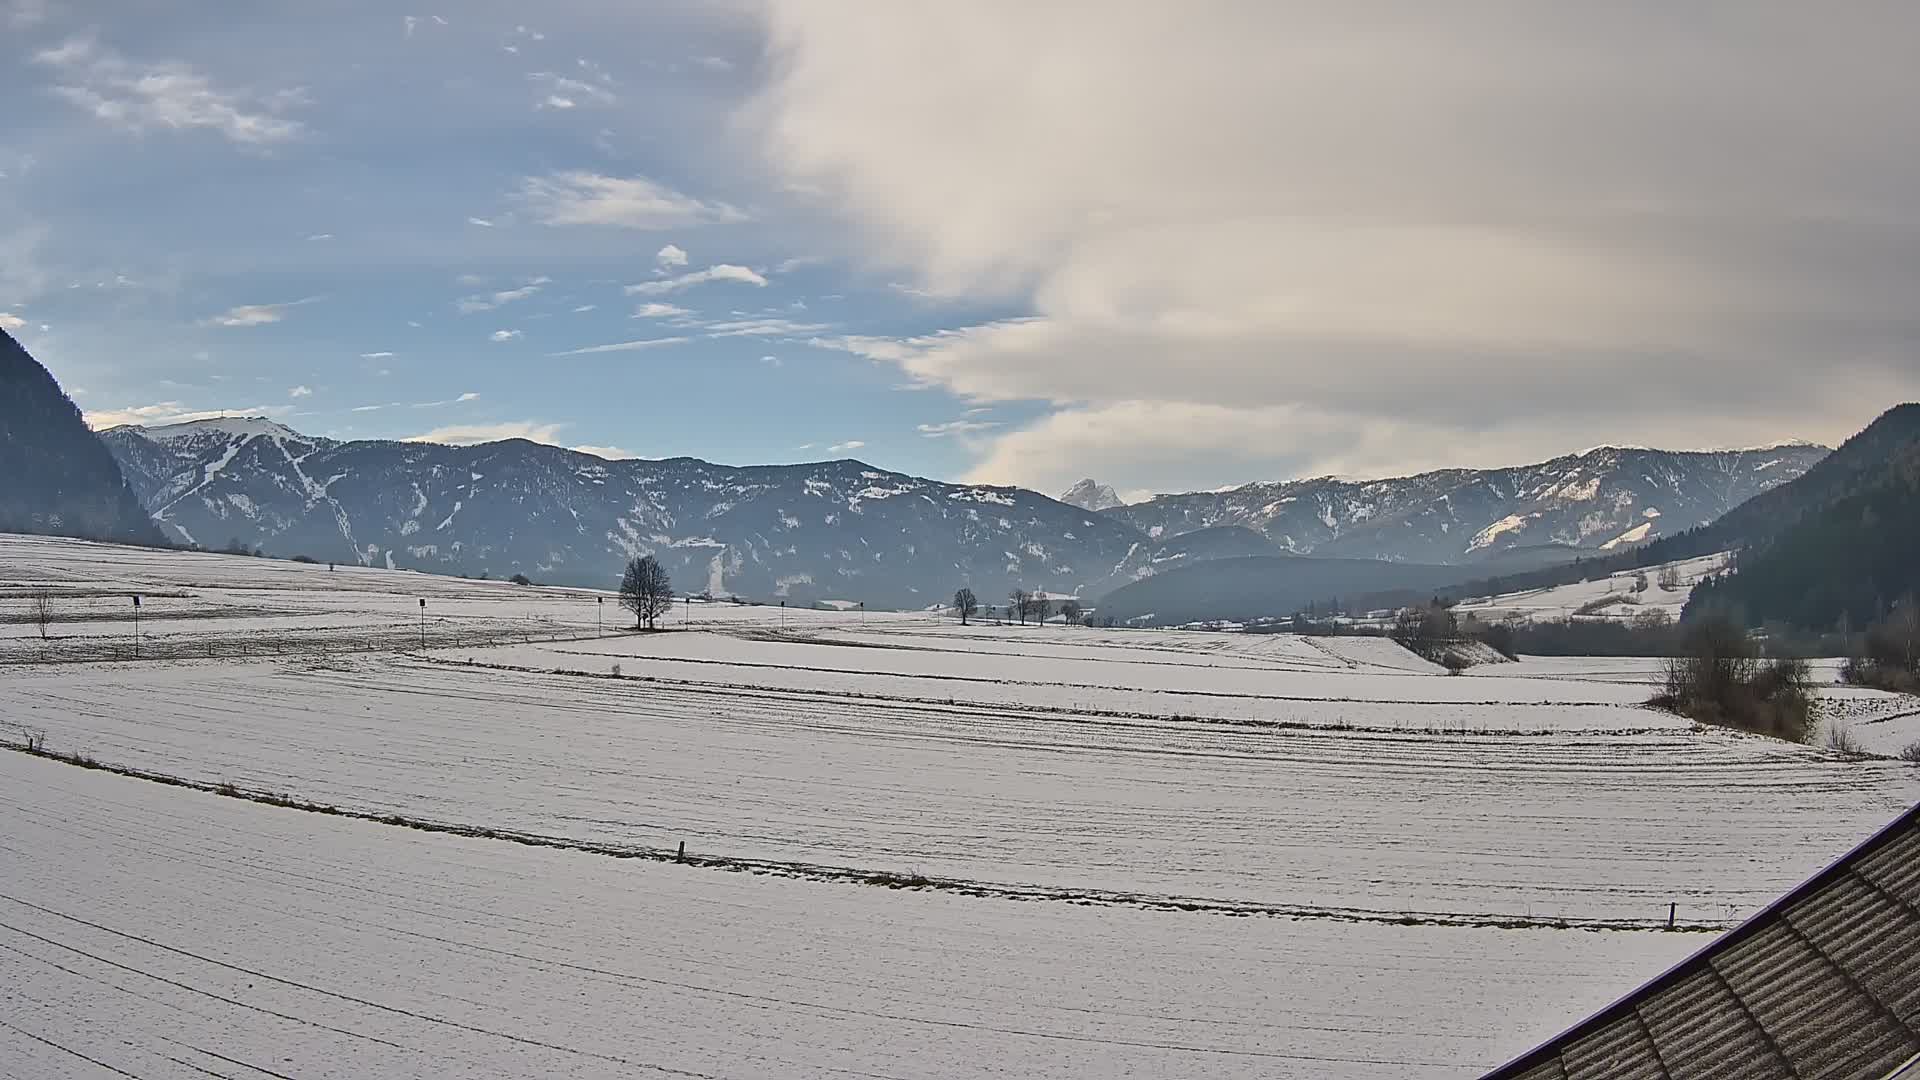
(1842, 739)
(1454, 662)
(1911, 752)
(521, 579)
(304, 559)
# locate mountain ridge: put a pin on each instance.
(836, 529)
(60, 479)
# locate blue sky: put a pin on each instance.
(984, 241)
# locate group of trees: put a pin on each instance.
(1887, 654)
(1719, 677)
(1021, 605)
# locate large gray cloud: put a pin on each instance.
(1496, 229)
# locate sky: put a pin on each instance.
(1168, 247)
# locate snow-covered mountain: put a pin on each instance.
(828, 530)
(1604, 498)
(1088, 495)
(844, 530)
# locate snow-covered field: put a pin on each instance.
(170, 933)
(1611, 597)
(1436, 871)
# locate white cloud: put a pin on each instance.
(584, 308)
(321, 236)
(166, 96)
(1464, 223)
(555, 101)
(573, 90)
(468, 305)
(955, 427)
(717, 272)
(713, 63)
(579, 197)
(624, 346)
(256, 314)
(844, 447)
(764, 327)
(375, 355)
(482, 223)
(300, 392)
(611, 453)
(468, 396)
(503, 335)
(469, 434)
(10, 321)
(171, 412)
(656, 310)
(24, 13)
(671, 255)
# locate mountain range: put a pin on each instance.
(840, 530)
(846, 530)
(1606, 498)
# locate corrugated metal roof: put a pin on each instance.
(1825, 983)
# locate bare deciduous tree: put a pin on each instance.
(1669, 579)
(1042, 607)
(42, 611)
(646, 590)
(966, 604)
(1071, 611)
(1018, 604)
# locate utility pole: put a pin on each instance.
(136, 626)
(423, 622)
(599, 607)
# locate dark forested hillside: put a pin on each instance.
(1847, 561)
(56, 477)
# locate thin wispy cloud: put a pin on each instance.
(300, 392)
(580, 197)
(256, 314)
(167, 96)
(572, 91)
(468, 305)
(720, 272)
(375, 355)
(470, 434)
(163, 413)
(955, 427)
(844, 447)
(503, 335)
(625, 346)
(611, 453)
(762, 328)
(656, 310)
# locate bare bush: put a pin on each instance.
(1911, 752)
(1842, 739)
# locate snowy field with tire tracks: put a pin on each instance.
(913, 849)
